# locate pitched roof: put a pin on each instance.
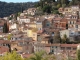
(72, 19)
(57, 18)
(63, 20)
(78, 22)
(4, 42)
(62, 45)
(3, 49)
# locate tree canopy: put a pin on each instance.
(7, 9)
(48, 6)
(11, 56)
(78, 54)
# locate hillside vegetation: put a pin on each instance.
(51, 6)
(10, 8)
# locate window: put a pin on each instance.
(33, 34)
(73, 22)
(20, 44)
(15, 38)
(39, 38)
(62, 48)
(40, 29)
(1, 27)
(27, 42)
(69, 48)
(78, 32)
(74, 48)
(76, 26)
(52, 50)
(55, 46)
(52, 46)
(52, 32)
(70, 22)
(66, 9)
(48, 25)
(71, 33)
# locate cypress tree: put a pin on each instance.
(78, 54)
(5, 28)
(66, 26)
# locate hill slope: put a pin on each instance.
(9, 8)
(52, 6)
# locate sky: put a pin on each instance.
(19, 0)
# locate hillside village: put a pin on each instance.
(31, 33)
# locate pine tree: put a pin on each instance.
(66, 26)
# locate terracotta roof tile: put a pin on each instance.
(57, 18)
(3, 49)
(62, 45)
(4, 41)
(78, 23)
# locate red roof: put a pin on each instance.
(57, 18)
(3, 49)
(69, 45)
(4, 41)
(64, 20)
(62, 45)
(78, 23)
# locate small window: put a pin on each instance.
(62, 48)
(78, 32)
(73, 22)
(74, 48)
(52, 32)
(27, 42)
(52, 50)
(55, 46)
(69, 48)
(52, 46)
(71, 33)
(20, 44)
(39, 28)
(70, 22)
(48, 25)
(33, 34)
(76, 26)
